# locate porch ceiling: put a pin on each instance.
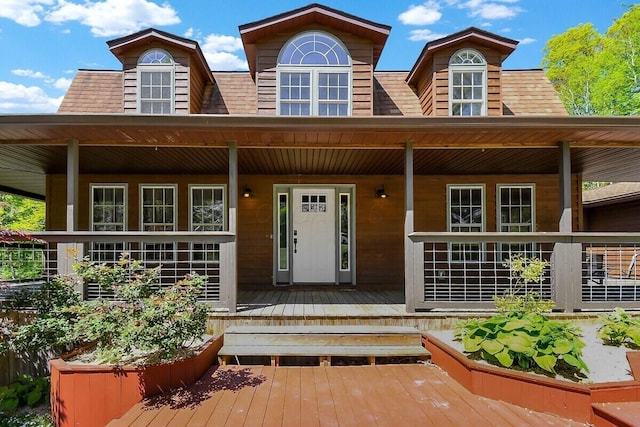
(30, 146)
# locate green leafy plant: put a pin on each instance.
(524, 271)
(26, 391)
(619, 328)
(145, 324)
(530, 341)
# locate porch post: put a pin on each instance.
(231, 266)
(567, 256)
(72, 252)
(409, 276)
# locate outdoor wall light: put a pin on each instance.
(246, 193)
(381, 193)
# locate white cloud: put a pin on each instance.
(189, 33)
(424, 35)
(16, 98)
(29, 73)
(62, 83)
(110, 18)
(24, 12)
(424, 14)
(527, 40)
(219, 50)
(495, 11)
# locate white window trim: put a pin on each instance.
(453, 68)
(140, 68)
(483, 192)
(499, 203)
(124, 186)
(222, 187)
(175, 202)
(314, 72)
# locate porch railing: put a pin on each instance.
(25, 264)
(588, 271)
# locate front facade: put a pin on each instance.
(313, 168)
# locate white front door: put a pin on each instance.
(314, 235)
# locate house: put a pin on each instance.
(612, 208)
(313, 168)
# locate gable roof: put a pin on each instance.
(611, 194)
(312, 14)
(472, 34)
(121, 45)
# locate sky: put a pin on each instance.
(44, 42)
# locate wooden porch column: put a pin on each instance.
(409, 276)
(231, 267)
(567, 256)
(70, 253)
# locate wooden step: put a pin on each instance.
(618, 414)
(322, 342)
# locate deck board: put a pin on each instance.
(329, 396)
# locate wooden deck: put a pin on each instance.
(381, 395)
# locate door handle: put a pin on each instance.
(295, 245)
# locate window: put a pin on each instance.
(466, 214)
(207, 214)
(467, 84)
(314, 76)
(345, 232)
(108, 213)
(516, 213)
(158, 214)
(155, 82)
(283, 231)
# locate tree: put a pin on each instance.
(597, 74)
(21, 213)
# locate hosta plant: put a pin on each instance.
(619, 328)
(528, 341)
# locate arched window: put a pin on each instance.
(467, 84)
(155, 82)
(314, 76)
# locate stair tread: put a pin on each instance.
(622, 413)
(322, 329)
(324, 350)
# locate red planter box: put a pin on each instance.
(563, 398)
(93, 395)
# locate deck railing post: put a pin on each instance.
(567, 275)
(409, 263)
(231, 265)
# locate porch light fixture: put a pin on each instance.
(246, 193)
(381, 193)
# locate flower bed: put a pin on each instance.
(539, 393)
(96, 394)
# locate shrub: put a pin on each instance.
(26, 391)
(619, 328)
(145, 324)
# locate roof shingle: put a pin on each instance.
(94, 91)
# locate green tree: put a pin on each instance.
(597, 74)
(21, 213)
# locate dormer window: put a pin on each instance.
(155, 82)
(467, 84)
(314, 76)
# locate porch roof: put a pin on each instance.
(603, 148)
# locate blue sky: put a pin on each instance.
(44, 42)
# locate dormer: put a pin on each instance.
(162, 73)
(461, 74)
(314, 61)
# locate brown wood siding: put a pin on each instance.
(196, 90)
(182, 85)
(616, 217)
(362, 78)
(379, 222)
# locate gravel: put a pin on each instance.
(606, 363)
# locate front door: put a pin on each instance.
(314, 235)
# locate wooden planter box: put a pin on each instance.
(535, 392)
(93, 395)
